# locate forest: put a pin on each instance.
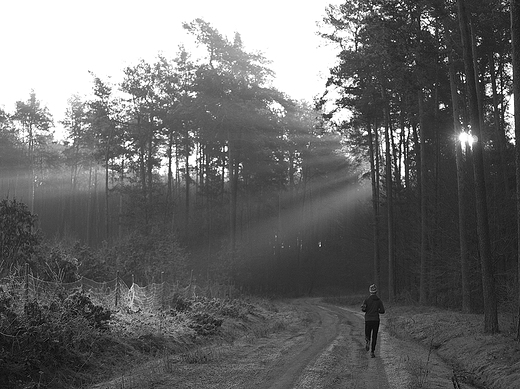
(429, 85)
(197, 166)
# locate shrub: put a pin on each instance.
(230, 308)
(205, 323)
(79, 304)
(150, 256)
(18, 237)
(43, 338)
(56, 262)
(180, 303)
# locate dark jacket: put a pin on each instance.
(372, 307)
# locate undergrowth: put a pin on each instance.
(43, 341)
(63, 340)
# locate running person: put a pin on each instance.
(372, 306)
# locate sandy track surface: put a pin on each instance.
(327, 353)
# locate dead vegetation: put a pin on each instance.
(486, 361)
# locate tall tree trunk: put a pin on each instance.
(390, 203)
(499, 131)
(142, 160)
(515, 40)
(406, 156)
(476, 73)
(107, 218)
(374, 174)
(120, 210)
(178, 168)
(73, 189)
(169, 193)
(396, 171)
(461, 189)
(232, 194)
(199, 174)
(436, 238)
(89, 205)
(188, 178)
(149, 166)
(423, 298)
(223, 176)
(32, 178)
(488, 283)
(97, 212)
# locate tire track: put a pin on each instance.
(344, 363)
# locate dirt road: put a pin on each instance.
(328, 353)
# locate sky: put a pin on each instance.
(51, 45)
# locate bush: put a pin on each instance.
(206, 314)
(79, 304)
(56, 262)
(18, 237)
(205, 324)
(148, 255)
(42, 339)
(231, 308)
(180, 303)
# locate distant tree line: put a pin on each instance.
(197, 155)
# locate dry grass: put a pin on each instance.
(482, 360)
(205, 350)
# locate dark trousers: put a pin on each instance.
(371, 329)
